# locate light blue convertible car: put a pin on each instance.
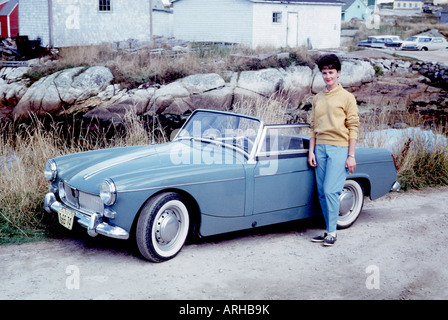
(222, 172)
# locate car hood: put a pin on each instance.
(87, 170)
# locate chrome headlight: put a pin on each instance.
(108, 192)
(50, 171)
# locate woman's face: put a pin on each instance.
(330, 77)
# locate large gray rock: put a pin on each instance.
(12, 86)
(114, 107)
(190, 93)
(200, 83)
(62, 89)
(263, 82)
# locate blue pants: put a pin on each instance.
(330, 178)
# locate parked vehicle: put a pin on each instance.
(223, 172)
(386, 41)
(424, 43)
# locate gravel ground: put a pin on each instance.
(396, 250)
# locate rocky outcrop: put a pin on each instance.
(90, 92)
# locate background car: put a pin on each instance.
(386, 41)
(424, 43)
(223, 172)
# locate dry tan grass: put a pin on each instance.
(24, 151)
(421, 155)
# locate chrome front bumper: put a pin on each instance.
(94, 223)
(396, 186)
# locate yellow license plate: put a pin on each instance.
(66, 217)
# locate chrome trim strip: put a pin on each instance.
(181, 185)
(278, 173)
(275, 154)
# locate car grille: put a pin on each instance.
(83, 201)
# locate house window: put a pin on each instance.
(276, 17)
(104, 5)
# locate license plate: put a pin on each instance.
(66, 217)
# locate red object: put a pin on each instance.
(9, 18)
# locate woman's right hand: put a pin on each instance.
(312, 159)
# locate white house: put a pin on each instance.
(408, 4)
(278, 23)
(62, 23)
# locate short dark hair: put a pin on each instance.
(329, 60)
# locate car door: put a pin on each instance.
(283, 180)
(436, 44)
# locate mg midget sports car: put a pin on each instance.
(221, 173)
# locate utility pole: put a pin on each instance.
(50, 23)
(150, 21)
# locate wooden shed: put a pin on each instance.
(9, 18)
(278, 23)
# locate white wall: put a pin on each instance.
(78, 22)
(213, 20)
(33, 19)
(321, 24)
(163, 23)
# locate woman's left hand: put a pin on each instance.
(350, 164)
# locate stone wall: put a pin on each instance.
(436, 73)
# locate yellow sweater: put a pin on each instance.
(334, 118)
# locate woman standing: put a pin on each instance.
(334, 131)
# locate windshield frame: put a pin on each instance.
(183, 133)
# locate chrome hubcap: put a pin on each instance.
(346, 202)
(167, 227)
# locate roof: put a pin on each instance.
(348, 3)
(8, 7)
(337, 2)
(301, 1)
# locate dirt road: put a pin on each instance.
(427, 56)
(396, 250)
(440, 56)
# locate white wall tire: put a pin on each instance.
(162, 227)
(351, 203)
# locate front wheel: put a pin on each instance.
(162, 227)
(351, 203)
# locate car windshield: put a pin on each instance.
(227, 128)
(411, 39)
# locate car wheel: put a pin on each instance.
(351, 202)
(424, 49)
(162, 227)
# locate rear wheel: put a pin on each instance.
(162, 227)
(351, 203)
